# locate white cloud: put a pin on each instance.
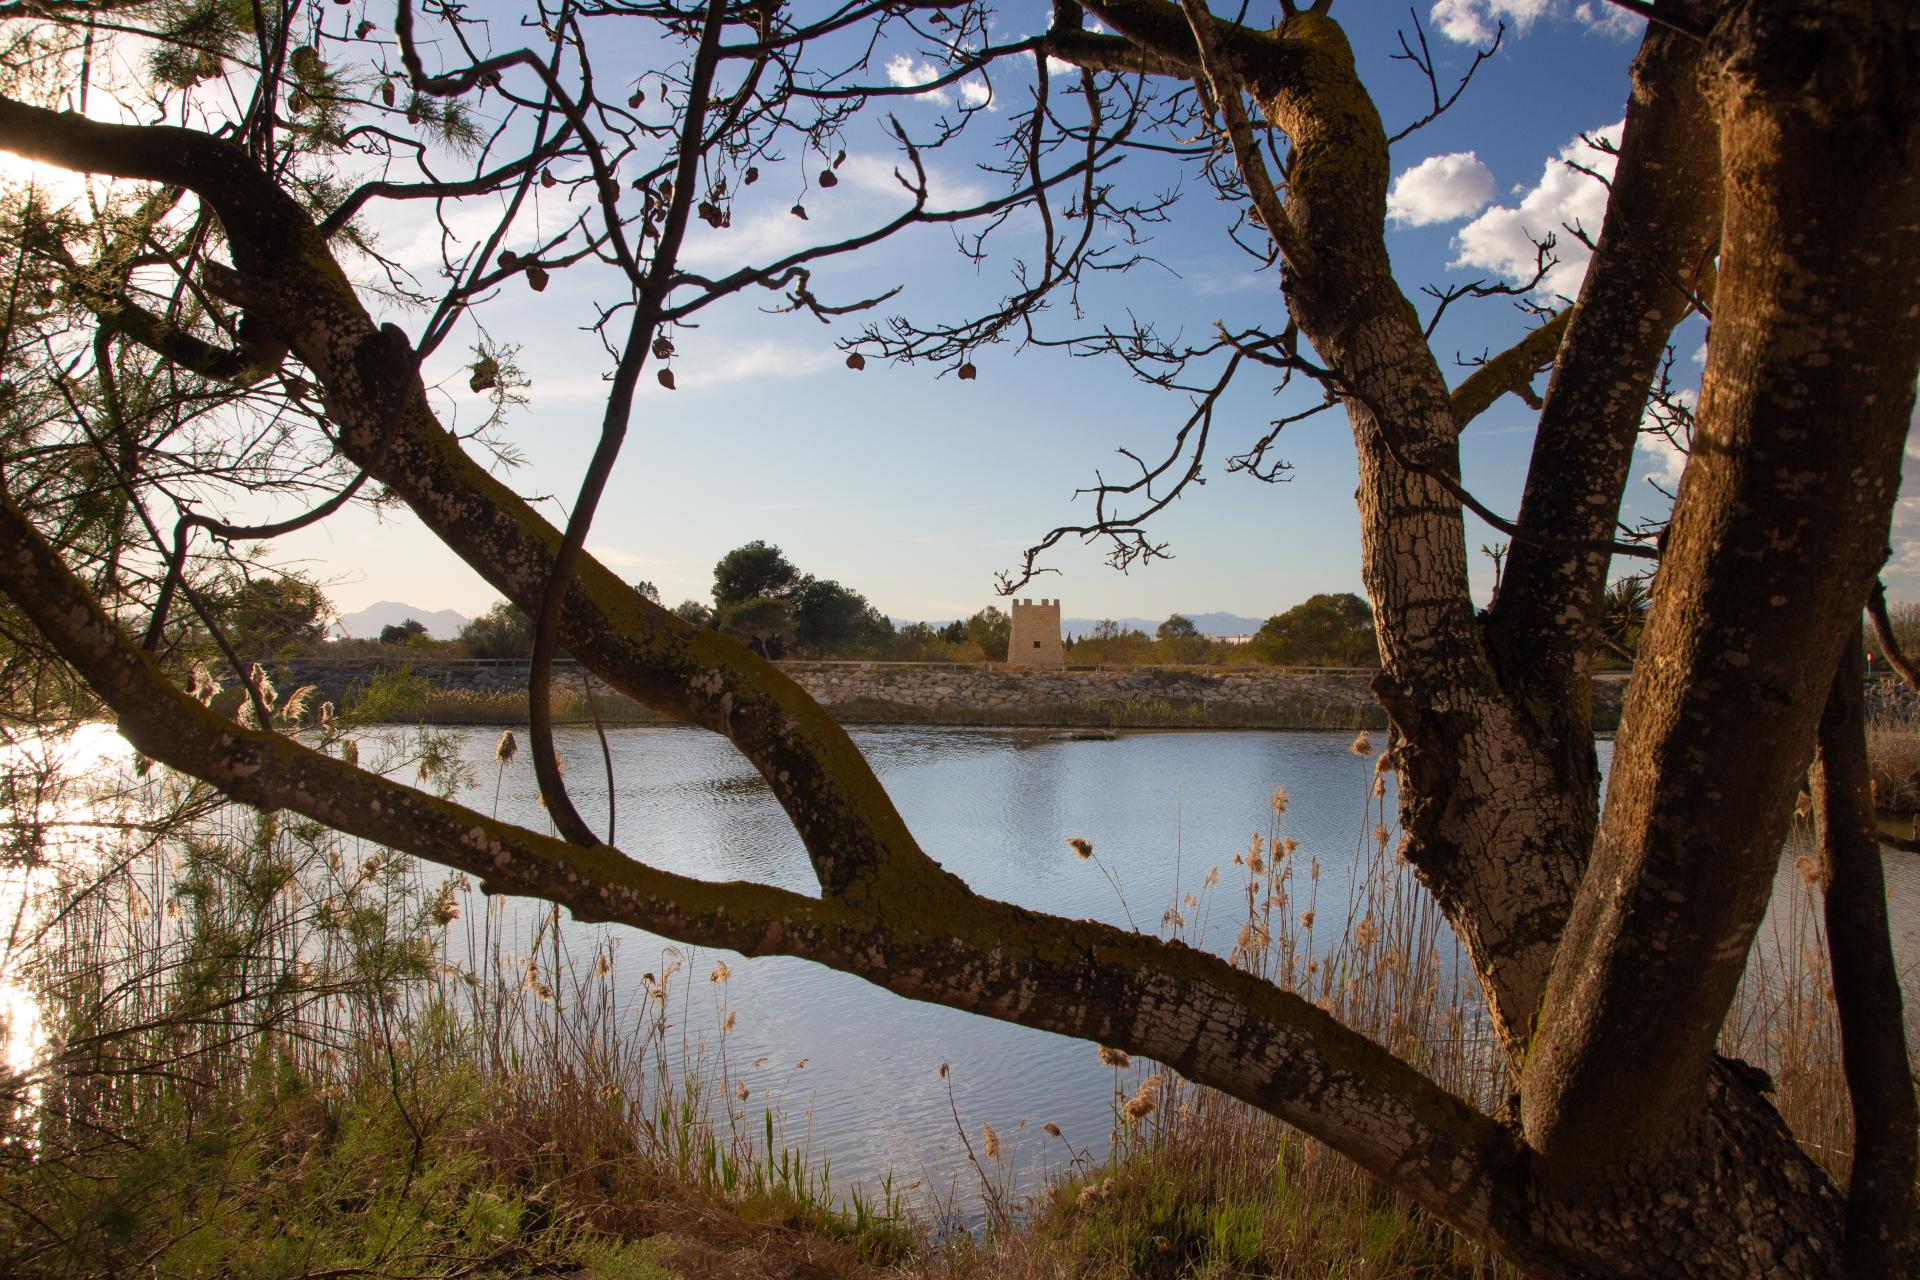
(875, 174)
(867, 195)
(1667, 457)
(705, 360)
(615, 558)
(757, 239)
(1055, 67)
(1474, 21)
(1668, 461)
(1501, 239)
(710, 365)
(904, 73)
(975, 93)
(414, 235)
(1440, 189)
(1610, 20)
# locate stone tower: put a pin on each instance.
(1035, 638)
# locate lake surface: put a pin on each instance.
(996, 807)
(853, 1071)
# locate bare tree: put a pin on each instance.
(1767, 172)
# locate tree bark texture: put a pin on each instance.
(1779, 528)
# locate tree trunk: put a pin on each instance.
(1780, 526)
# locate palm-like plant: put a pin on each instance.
(1622, 614)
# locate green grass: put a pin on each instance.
(261, 1060)
(407, 696)
(266, 1059)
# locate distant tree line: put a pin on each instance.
(1322, 631)
(761, 598)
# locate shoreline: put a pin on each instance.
(956, 695)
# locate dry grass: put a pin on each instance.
(1893, 754)
(1202, 1185)
(1783, 1020)
(408, 697)
(1198, 1184)
(283, 1052)
(272, 1050)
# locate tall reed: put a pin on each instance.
(268, 1049)
(1197, 1184)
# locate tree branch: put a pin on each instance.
(1662, 221)
(1509, 371)
(1224, 85)
(1889, 642)
(613, 431)
(1866, 987)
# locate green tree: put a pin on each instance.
(1321, 631)
(402, 632)
(919, 642)
(831, 620)
(1110, 642)
(1178, 640)
(757, 569)
(1622, 615)
(693, 613)
(503, 631)
(990, 628)
(266, 615)
(764, 623)
(648, 590)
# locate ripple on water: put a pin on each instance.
(996, 807)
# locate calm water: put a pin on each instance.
(995, 807)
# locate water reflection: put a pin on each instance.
(59, 818)
(996, 807)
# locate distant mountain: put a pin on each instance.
(1209, 624)
(365, 624)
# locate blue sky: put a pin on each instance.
(915, 488)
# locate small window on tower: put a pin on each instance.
(1036, 644)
